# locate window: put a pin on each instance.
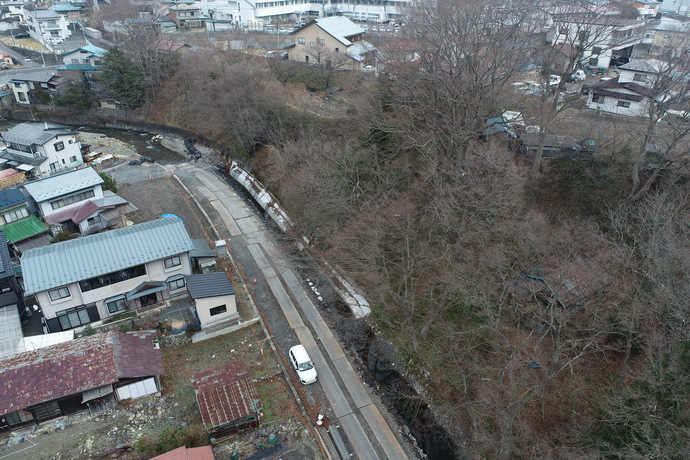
(623, 104)
(5, 285)
(69, 199)
(172, 262)
(301, 40)
(54, 167)
(596, 50)
(218, 310)
(69, 319)
(312, 45)
(639, 77)
(320, 41)
(59, 293)
(59, 146)
(112, 278)
(22, 97)
(337, 50)
(598, 98)
(174, 285)
(116, 306)
(73, 159)
(593, 61)
(15, 215)
(91, 221)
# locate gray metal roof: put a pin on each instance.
(59, 264)
(6, 269)
(35, 133)
(41, 76)
(201, 249)
(62, 184)
(47, 13)
(208, 285)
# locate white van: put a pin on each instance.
(302, 363)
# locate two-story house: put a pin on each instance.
(671, 36)
(631, 92)
(18, 220)
(47, 26)
(11, 294)
(75, 202)
(41, 149)
(88, 55)
(87, 279)
(332, 42)
(34, 87)
(600, 36)
(187, 16)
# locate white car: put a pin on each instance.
(554, 80)
(368, 68)
(302, 363)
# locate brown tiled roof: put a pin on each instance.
(609, 87)
(226, 395)
(71, 367)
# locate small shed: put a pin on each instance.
(227, 398)
(188, 453)
(214, 299)
(203, 257)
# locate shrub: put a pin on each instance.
(63, 236)
(172, 438)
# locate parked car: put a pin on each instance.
(368, 68)
(579, 75)
(554, 80)
(22, 35)
(302, 363)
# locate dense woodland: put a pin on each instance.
(543, 303)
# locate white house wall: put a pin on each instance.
(204, 305)
(610, 105)
(62, 157)
(47, 209)
(155, 271)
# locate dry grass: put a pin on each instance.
(246, 345)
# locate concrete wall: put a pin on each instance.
(204, 305)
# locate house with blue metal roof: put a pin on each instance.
(88, 55)
(95, 277)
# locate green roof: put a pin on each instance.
(23, 229)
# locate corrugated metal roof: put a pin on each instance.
(42, 76)
(184, 453)
(71, 367)
(92, 49)
(339, 27)
(34, 133)
(47, 13)
(63, 263)
(11, 197)
(208, 285)
(16, 159)
(62, 184)
(24, 229)
(201, 249)
(226, 395)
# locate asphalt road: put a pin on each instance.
(290, 310)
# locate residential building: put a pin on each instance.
(18, 220)
(75, 202)
(372, 11)
(648, 9)
(602, 36)
(11, 304)
(41, 149)
(681, 7)
(214, 299)
(68, 10)
(88, 55)
(630, 93)
(34, 87)
(557, 146)
(672, 35)
(14, 10)
(220, 10)
(87, 279)
(47, 26)
(187, 16)
(81, 63)
(333, 42)
(71, 376)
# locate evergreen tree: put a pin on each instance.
(123, 78)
